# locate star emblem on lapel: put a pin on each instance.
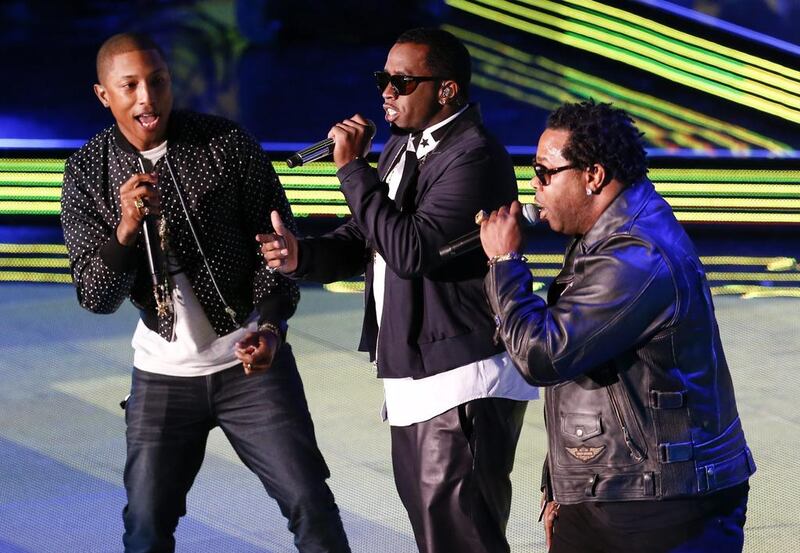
(424, 143)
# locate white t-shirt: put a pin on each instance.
(407, 400)
(195, 349)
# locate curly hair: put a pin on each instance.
(447, 56)
(601, 133)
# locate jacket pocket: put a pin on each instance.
(581, 426)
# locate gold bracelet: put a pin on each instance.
(510, 256)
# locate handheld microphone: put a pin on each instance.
(472, 239)
(321, 149)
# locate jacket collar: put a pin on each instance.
(470, 117)
(620, 213)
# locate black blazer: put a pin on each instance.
(435, 315)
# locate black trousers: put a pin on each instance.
(705, 524)
(452, 475)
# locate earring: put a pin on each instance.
(589, 192)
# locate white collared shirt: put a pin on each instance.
(407, 400)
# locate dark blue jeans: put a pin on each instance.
(264, 416)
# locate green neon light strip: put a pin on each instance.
(31, 178)
(571, 79)
(34, 263)
(17, 276)
(647, 44)
(754, 62)
(718, 217)
(11, 165)
(29, 208)
(746, 190)
(29, 193)
(655, 125)
(726, 175)
(583, 39)
(623, 43)
(735, 203)
(686, 48)
(34, 248)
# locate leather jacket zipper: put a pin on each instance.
(635, 451)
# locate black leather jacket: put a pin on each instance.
(639, 401)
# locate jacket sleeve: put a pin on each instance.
(103, 270)
(410, 241)
(621, 295)
(274, 295)
(340, 254)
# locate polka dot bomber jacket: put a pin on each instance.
(228, 187)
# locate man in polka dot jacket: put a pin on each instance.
(163, 208)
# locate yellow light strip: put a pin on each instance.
(737, 203)
(308, 181)
(16, 276)
(733, 54)
(686, 48)
(34, 248)
(612, 49)
(50, 193)
(727, 175)
(771, 263)
(303, 210)
(716, 190)
(767, 277)
(642, 114)
(631, 39)
(748, 292)
(38, 165)
(345, 287)
(545, 273)
(35, 262)
(719, 217)
(314, 195)
(515, 93)
(45, 208)
(521, 62)
(45, 179)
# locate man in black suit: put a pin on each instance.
(453, 399)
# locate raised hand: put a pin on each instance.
(279, 248)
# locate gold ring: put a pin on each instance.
(139, 203)
(480, 217)
(248, 366)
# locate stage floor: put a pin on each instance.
(63, 372)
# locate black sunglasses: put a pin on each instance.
(543, 173)
(401, 84)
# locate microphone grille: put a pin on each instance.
(531, 213)
(372, 129)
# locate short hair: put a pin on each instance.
(601, 133)
(447, 56)
(120, 44)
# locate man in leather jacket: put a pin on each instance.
(645, 447)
